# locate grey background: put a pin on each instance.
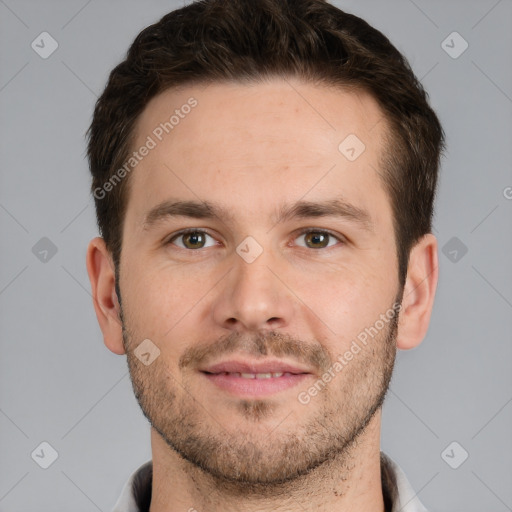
(59, 383)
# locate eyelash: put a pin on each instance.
(301, 232)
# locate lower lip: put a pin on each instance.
(255, 387)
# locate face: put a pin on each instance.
(260, 309)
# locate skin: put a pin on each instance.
(252, 148)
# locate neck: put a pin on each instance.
(350, 482)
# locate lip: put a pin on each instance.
(226, 376)
(271, 366)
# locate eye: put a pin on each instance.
(192, 239)
(318, 238)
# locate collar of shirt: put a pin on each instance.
(398, 494)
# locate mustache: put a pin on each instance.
(263, 344)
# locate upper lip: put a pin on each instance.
(272, 366)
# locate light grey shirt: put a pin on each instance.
(399, 496)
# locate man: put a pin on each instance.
(264, 174)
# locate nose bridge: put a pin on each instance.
(254, 277)
(253, 297)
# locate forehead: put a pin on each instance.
(253, 144)
(261, 109)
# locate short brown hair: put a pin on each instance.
(249, 41)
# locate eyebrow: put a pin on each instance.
(299, 210)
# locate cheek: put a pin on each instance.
(351, 302)
(163, 304)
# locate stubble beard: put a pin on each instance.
(254, 458)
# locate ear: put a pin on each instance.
(419, 291)
(101, 272)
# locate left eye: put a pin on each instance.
(317, 239)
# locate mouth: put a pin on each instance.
(255, 379)
(273, 375)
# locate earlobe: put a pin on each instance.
(419, 293)
(102, 277)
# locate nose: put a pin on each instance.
(254, 296)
